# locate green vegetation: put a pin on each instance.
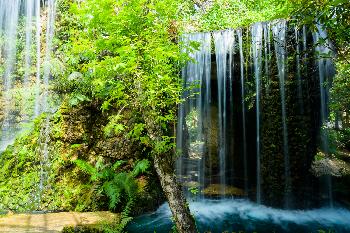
(116, 184)
(66, 186)
(335, 16)
(129, 61)
(221, 14)
(18, 181)
(117, 65)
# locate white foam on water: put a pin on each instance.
(213, 210)
(240, 211)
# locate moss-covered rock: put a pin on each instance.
(29, 182)
(332, 166)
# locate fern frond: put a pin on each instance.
(117, 164)
(100, 166)
(131, 187)
(120, 179)
(141, 167)
(87, 168)
(113, 192)
(107, 174)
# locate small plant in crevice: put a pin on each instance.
(116, 184)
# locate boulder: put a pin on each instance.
(330, 166)
(215, 190)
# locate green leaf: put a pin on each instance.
(141, 167)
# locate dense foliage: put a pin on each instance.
(128, 59)
(334, 15)
(123, 60)
(221, 14)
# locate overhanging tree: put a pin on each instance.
(129, 59)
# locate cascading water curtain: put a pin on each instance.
(279, 35)
(257, 42)
(194, 111)
(24, 90)
(224, 42)
(247, 124)
(323, 49)
(9, 11)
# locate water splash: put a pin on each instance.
(242, 215)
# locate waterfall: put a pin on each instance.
(34, 97)
(11, 14)
(9, 18)
(206, 114)
(38, 57)
(244, 131)
(26, 95)
(300, 89)
(28, 40)
(243, 123)
(46, 107)
(51, 9)
(191, 166)
(43, 151)
(257, 34)
(267, 51)
(279, 34)
(325, 71)
(224, 42)
(10, 32)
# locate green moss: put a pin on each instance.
(19, 176)
(64, 185)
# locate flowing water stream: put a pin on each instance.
(238, 215)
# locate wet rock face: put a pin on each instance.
(85, 125)
(219, 190)
(75, 125)
(116, 147)
(81, 130)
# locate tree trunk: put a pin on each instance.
(181, 213)
(163, 163)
